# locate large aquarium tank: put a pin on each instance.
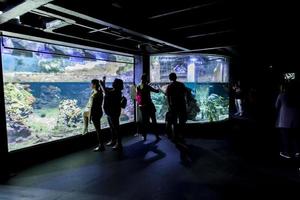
(47, 86)
(205, 76)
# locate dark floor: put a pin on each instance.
(153, 171)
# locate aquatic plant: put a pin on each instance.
(212, 106)
(192, 106)
(70, 115)
(161, 105)
(129, 110)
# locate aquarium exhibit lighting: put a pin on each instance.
(44, 40)
(289, 76)
(193, 59)
(55, 24)
(99, 30)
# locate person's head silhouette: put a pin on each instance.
(173, 77)
(118, 84)
(144, 78)
(95, 84)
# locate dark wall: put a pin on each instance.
(3, 137)
(20, 159)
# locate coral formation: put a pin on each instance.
(70, 115)
(18, 101)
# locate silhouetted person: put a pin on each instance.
(93, 112)
(288, 120)
(176, 116)
(146, 107)
(237, 92)
(138, 112)
(112, 108)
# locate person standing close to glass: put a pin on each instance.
(112, 108)
(146, 107)
(176, 95)
(93, 113)
(238, 98)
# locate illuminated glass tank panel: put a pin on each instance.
(205, 76)
(47, 87)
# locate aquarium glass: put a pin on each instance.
(46, 91)
(205, 76)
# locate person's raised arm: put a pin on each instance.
(153, 89)
(102, 84)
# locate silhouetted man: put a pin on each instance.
(176, 116)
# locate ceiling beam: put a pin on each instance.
(204, 49)
(89, 40)
(73, 22)
(97, 21)
(43, 13)
(21, 9)
(201, 24)
(99, 30)
(209, 34)
(182, 10)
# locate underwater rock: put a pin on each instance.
(19, 140)
(70, 115)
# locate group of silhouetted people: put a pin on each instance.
(111, 101)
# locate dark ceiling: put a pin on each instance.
(229, 27)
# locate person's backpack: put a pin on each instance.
(123, 102)
(138, 96)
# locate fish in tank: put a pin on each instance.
(46, 91)
(206, 78)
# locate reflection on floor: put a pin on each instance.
(153, 171)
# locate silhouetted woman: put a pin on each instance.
(146, 106)
(238, 98)
(288, 120)
(112, 108)
(93, 112)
